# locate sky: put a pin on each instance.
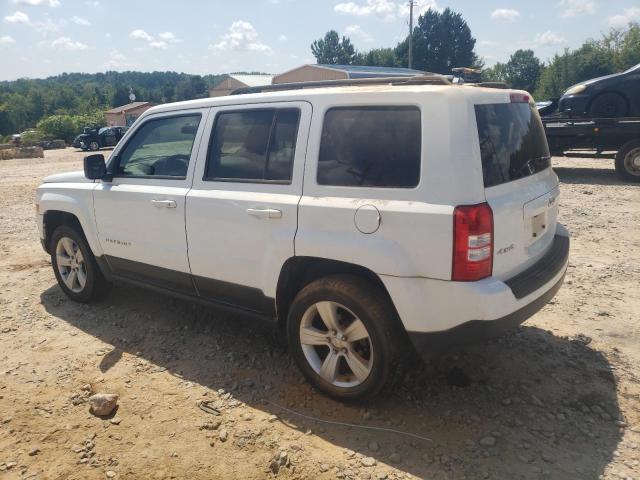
(40, 38)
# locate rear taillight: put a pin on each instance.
(519, 98)
(472, 242)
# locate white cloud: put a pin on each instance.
(358, 32)
(139, 34)
(487, 43)
(159, 44)
(38, 3)
(80, 21)
(241, 36)
(548, 39)
(283, 38)
(420, 8)
(68, 44)
(6, 40)
(622, 20)
(18, 17)
(167, 36)
(381, 8)
(505, 15)
(573, 8)
(117, 60)
(107, 35)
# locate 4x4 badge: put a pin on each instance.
(505, 249)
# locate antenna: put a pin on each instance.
(411, 5)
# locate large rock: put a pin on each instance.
(102, 404)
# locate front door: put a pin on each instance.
(140, 214)
(242, 210)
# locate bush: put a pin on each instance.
(33, 138)
(66, 127)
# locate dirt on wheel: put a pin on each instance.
(207, 395)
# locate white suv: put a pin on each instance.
(358, 216)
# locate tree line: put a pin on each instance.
(443, 40)
(75, 98)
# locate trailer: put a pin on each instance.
(598, 138)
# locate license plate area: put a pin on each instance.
(540, 217)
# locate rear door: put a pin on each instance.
(242, 212)
(520, 185)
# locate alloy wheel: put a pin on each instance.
(632, 162)
(336, 344)
(71, 265)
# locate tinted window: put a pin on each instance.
(512, 142)
(160, 147)
(253, 145)
(370, 147)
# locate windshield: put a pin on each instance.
(512, 142)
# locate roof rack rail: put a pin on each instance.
(430, 79)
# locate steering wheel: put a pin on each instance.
(174, 165)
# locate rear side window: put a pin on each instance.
(512, 142)
(370, 147)
(253, 146)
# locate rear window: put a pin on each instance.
(370, 147)
(512, 142)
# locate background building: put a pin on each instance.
(309, 73)
(126, 114)
(233, 81)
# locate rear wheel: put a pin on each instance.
(94, 146)
(75, 267)
(608, 105)
(343, 334)
(628, 161)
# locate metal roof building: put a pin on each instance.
(232, 81)
(313, 72)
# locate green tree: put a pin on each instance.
(332, 50)
(441, 41)
(522, 71)
(378, 57)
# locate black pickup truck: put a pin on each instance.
(94, 139)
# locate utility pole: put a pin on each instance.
(411, 4)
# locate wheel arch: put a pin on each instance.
(298, 272)
(62, 209)
(607, 92)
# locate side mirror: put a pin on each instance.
(95, 167)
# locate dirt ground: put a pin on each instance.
(558, 399)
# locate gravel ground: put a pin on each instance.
(557, 399)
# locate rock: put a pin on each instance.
(116, 420)
(34, 451)
(325, 467)
(223, 435)
(102, 404)
(373, 446)
(395, 457)
(488, 441)
(368, 462)
(111, 474)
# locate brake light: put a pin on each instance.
(519, 98)
(472, 242)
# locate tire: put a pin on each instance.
(608, 105)
(345, 300)
(66, 243)
(94, 146)
(628, 161)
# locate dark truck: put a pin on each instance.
(94, 139)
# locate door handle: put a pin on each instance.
(264, 212)
(164, 203)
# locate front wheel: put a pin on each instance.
(94, 146)
(628, 161)
(344, 335)
(608, 105)
(75, 267)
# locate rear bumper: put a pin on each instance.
(439, 314)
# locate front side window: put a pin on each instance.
(160, 148)
(253, 146)
(370, 147)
